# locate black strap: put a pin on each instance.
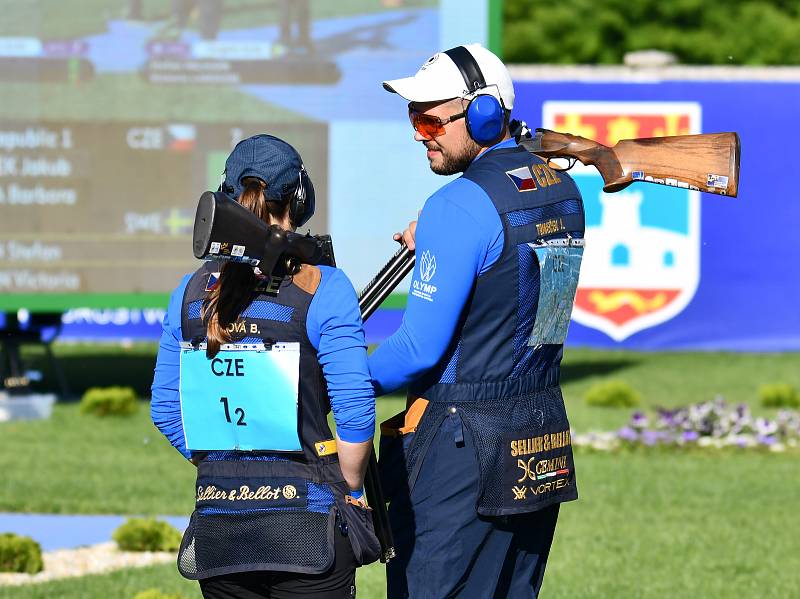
(468, 66)
(322, 470)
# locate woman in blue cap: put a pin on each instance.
(248, 367)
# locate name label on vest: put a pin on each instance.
(245, 398)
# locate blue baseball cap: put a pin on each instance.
(265, 157)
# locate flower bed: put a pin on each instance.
(712, 424)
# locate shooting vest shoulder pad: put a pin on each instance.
(308, 278)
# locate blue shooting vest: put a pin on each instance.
(264, 510)
(501, 373)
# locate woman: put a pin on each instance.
(254, 361)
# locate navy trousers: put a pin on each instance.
(445, 549)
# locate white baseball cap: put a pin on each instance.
(440, 78)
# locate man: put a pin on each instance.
(476, 466)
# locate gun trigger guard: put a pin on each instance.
(555, 166)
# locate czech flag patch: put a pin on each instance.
(213, 281)
(522, 178)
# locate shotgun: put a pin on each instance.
(708, 162)
(369, 299)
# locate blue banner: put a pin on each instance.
(671, 268)
(664, 267)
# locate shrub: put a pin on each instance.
(20, 554)
(109, 401)
(147, 534)
(696, 31)
(779, 395)
(157, 594)
(612, 394)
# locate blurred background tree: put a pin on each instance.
(744, 32)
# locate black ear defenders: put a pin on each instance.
(302, 200)
(485, 114)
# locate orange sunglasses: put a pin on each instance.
(429, 126)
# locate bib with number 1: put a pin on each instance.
(245, 398)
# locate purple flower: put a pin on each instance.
(626, 433)
(649, 437)
(766, 427)
(666, 418)
(709, 424)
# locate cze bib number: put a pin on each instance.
(245, 398)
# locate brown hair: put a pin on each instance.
(236, 286)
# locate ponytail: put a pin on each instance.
(236, 286)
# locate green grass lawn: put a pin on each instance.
(647, 524)
(670, 379)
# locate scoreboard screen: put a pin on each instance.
(106, 209)
(118, 114)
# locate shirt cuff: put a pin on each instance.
(356, 435)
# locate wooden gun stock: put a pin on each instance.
(707, 162)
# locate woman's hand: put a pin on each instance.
(353, 459)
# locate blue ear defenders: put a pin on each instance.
(485, 114)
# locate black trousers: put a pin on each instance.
(337, 583)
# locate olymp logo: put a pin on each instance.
(427, 269)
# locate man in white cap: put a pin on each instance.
(478, 463)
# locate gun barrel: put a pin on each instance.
(372, 296)
(387, 279)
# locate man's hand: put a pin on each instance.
(407, 237)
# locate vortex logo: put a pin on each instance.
(289, 492)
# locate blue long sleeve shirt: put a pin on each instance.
(334, 329)
(459, 237)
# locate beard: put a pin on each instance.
(456, 160)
